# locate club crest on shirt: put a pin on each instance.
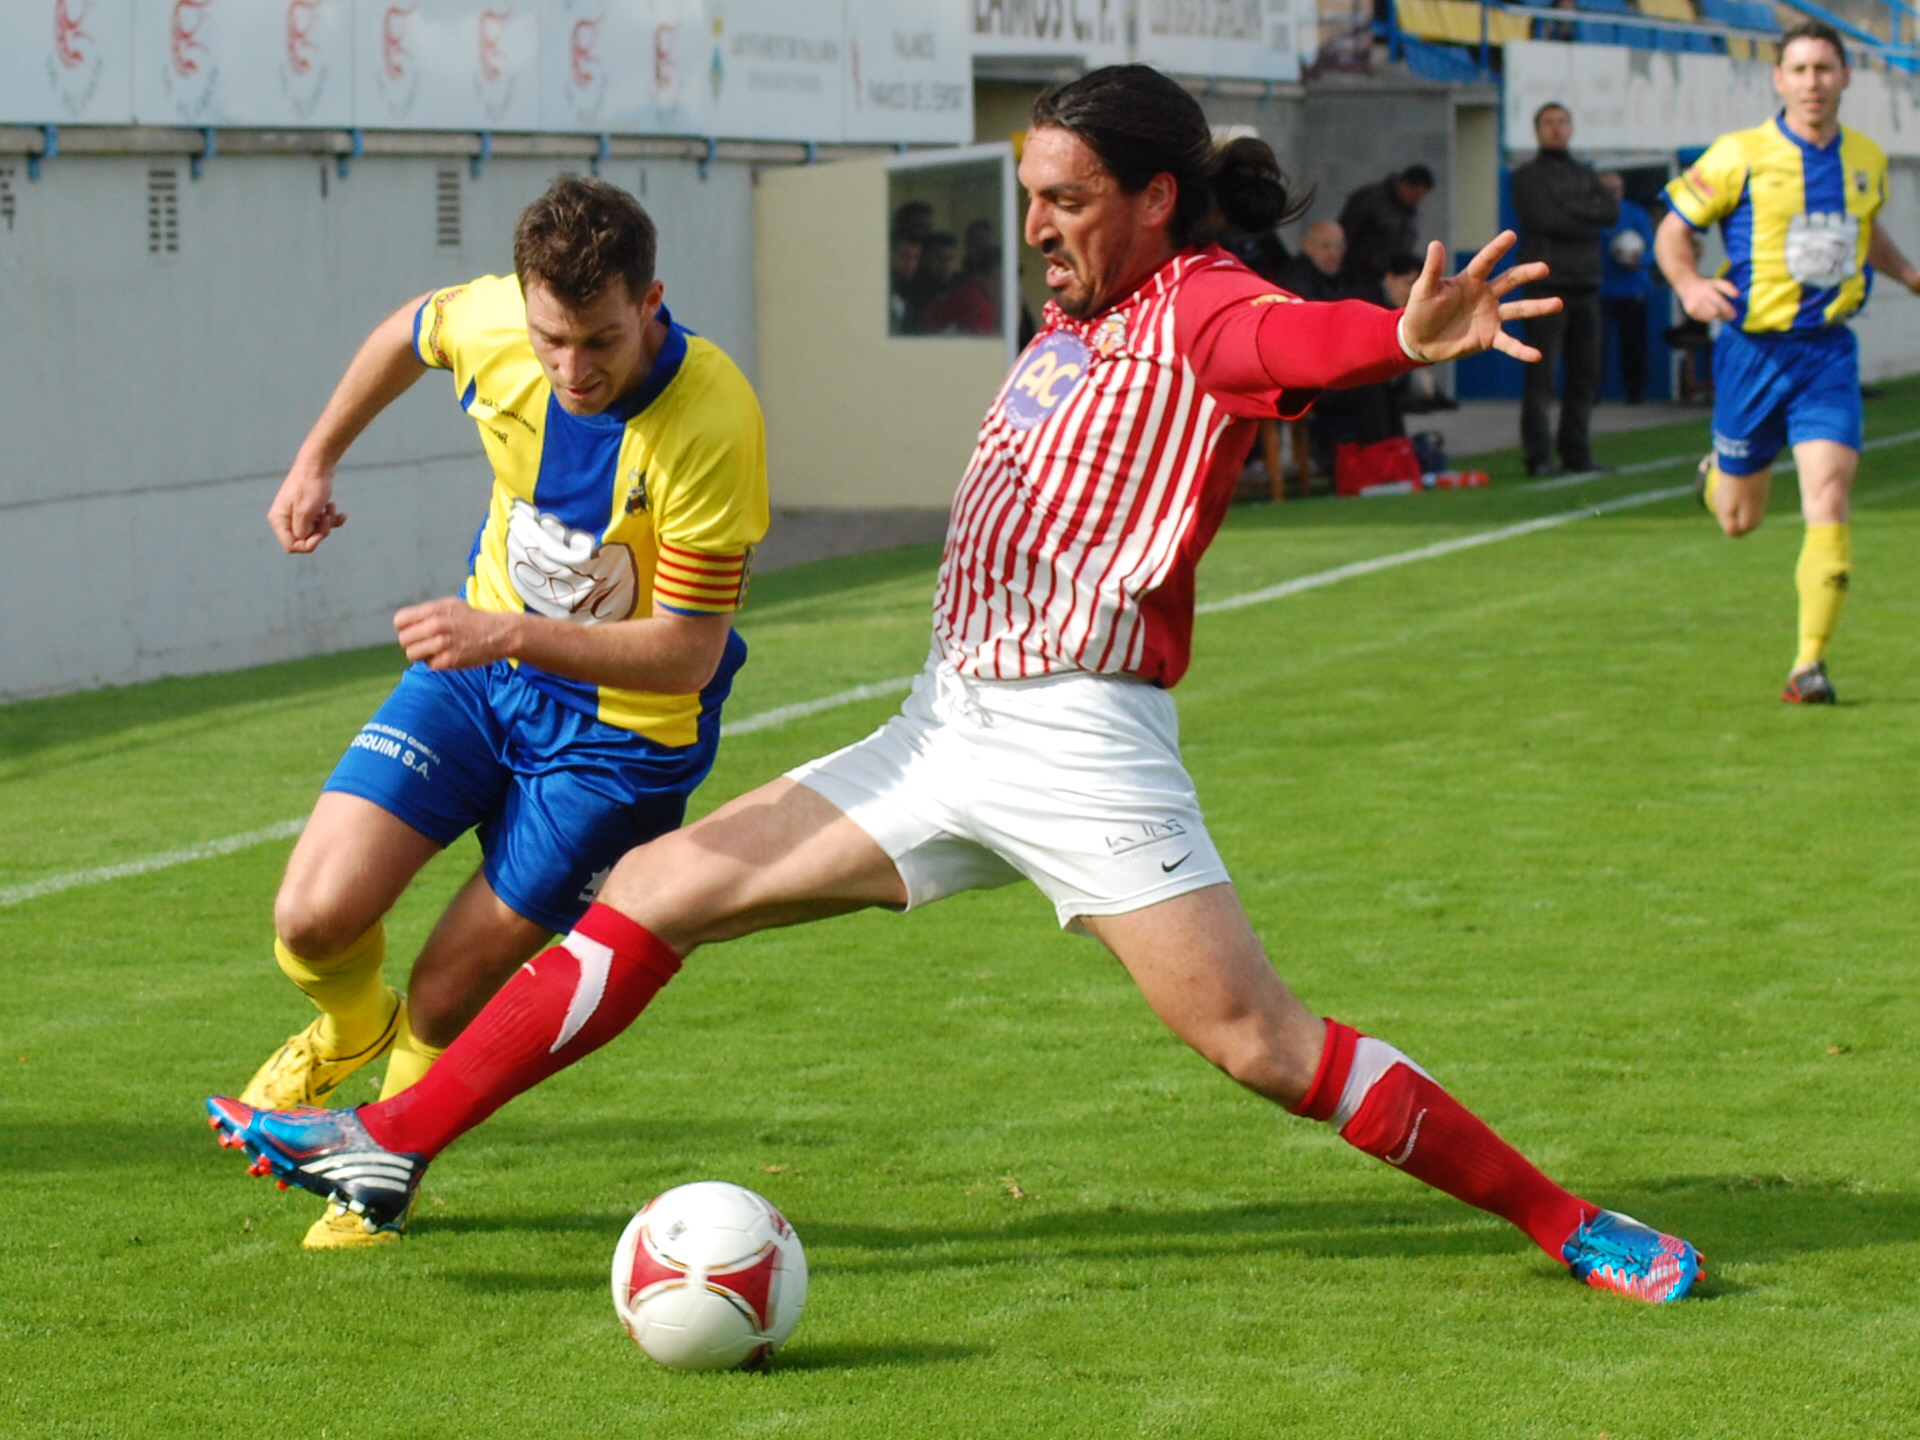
(568, 574)
(637, 491)
(1860, 182)
(1111, 334)
(1043, 379)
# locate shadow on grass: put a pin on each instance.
(1735, 1219)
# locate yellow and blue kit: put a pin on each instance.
(655, 503)
(1797, 220)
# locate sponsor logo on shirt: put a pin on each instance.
(568, 574)
(1046, 375)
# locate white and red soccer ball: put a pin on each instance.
(709, 1276)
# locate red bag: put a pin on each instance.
(1358, 467)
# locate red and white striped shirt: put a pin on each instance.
(1109, 459)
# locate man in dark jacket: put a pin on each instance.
(1378, 220)
(1562, 208)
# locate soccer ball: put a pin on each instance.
(709, 1276)
(1628, 249)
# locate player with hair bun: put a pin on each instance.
(1041, 742)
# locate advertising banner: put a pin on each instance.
(908, 74)
(447, 64)
(66, 62)
(1241, 39)
(1620, 99)
(1095, 31)
(243, 62)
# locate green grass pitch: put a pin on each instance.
(1532, 811)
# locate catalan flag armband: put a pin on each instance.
(693, 582)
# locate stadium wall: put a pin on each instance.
(170, 340)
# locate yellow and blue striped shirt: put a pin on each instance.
(657, 501)
(1797, 220)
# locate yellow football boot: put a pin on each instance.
(341, 1229)
(299, 1074)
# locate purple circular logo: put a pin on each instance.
(1044, 378)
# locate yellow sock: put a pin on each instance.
(410, 1058)
(349, 989)
(1825, 568)
(1713, 483)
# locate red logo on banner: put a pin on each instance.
(184, 36)
(394, 54)
(301, 15)
(70, 37)
(663, 57)
(586, 64)
(493, 55)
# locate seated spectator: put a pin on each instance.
(1263, 253)
(939, 262)
(914, 220)
(903, 260)
(971, 306)
(980, 238)
(1368, 414)
(1314, 274)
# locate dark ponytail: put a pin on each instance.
(1142, 124)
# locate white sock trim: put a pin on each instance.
(596, 960)
(1371, 1059)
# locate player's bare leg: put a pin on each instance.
(778, 855)
(476, 945)
(1202, 969)
(1739, 502)
(350, 864)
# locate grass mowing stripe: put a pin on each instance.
(780, 715)
(55, 883)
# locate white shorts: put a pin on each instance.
(1073, 781)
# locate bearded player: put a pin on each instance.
(1796, 200)
(568, 702)
(1041, 743)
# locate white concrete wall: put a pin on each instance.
(154, 401)
(1889, 328)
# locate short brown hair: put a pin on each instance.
(580, 237)
(1815, 30)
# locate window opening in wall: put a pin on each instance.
(446, 209)
(163, 212)
(6, 195)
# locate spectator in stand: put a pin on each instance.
(1314, 274)
(1563, 207)
(903, 260)
(980, 238)
(1262, 252)
(1380, 222)
(972, 305)
(914, 220)
(1626, 276)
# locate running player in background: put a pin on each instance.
(1042, 743)
(1796, 200)
(568, 702)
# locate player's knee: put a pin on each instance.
(1741, 521)
(311, 927)
(1255, 1055)
(436, 1014)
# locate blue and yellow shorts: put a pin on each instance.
(557, 795)
(1771, 391)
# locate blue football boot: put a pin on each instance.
(326, 1151)
(1616, 1252)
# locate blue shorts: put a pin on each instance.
(1771, 391)
(557, 794)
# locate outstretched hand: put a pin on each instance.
(1451, 317)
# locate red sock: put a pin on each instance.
(561, 1005)
(1384, 1104)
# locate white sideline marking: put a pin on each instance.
(780, 715)
(768, 719)
(55, 883)
(1439, 548)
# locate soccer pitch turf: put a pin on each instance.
(1532, 811)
